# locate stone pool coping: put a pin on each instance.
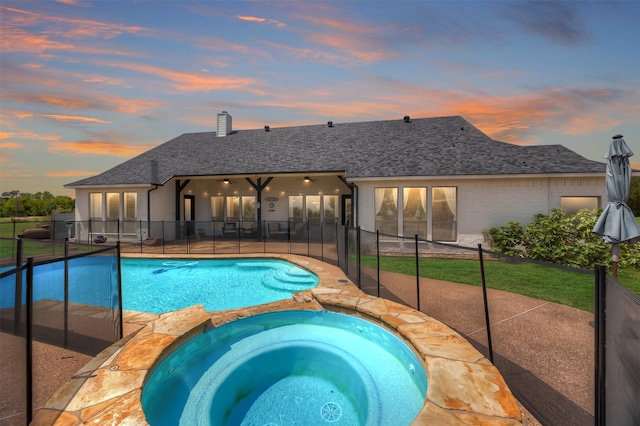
(463, 386)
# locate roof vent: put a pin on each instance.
(224, 124)
(407, 119)
(266, 128)
(524, 165)
(329, 123)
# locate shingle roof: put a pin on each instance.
(443, 146)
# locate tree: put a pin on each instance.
(13, 194)
(44, 203)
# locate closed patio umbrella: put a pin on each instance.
(617, 223)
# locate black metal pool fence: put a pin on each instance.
(566, 366)
(38, 304)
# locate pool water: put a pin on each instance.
(164, 285)
(286, 368)
(158, 286)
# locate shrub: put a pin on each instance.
(506, 239)
(560, 239)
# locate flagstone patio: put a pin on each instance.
(463, 386)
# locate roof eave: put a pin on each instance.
(119, 185)
(471, 177)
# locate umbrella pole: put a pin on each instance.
(615, 255)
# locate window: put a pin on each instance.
(386, 204)
(414, 212)
(217, 209)
(95, 212)
(113, 212)
(330, 208)
(130, 212)
(248, 208)
(313, 208)
(108, 219)
(95, 206)
(443, 214)
(572, 205)
(233, 209)
(295, 208)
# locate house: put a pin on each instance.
(439, 178)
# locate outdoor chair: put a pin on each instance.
(229, 229)
(276, 231)
(250, 231)
(299, 231)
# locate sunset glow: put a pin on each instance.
(86, 85)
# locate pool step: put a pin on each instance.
(291, 279)
(253, 265)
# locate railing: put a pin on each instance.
(72, 301)
(617, 349)
(544, 350)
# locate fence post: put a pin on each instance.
(600, 289)
(29, 361)
(66, 292)
(486, 304)
(346, 248)
(322, 241)
(358, 256)
(163, 240)
(417, 273)
(378, 258)
(17, 314)
(120, 308)
(187, 227)
(13, 236)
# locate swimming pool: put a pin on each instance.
(163, 285)
(292, 367)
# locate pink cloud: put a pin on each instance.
(27, 134)
(8, 145)
(220, 45)
(97, 147)
(105, 103)
(18, 40)
(191, 82)
(13, 174)
(75, 118)
(335, 24)
(261, 20)
(358, 48)
(308, 53)
(70, 173)
(69, 27)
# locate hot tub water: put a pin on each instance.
(284, 368)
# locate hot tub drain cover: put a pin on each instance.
(331, 412)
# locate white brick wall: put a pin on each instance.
(481, 204)
(486, 203)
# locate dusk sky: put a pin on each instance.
(86, 85)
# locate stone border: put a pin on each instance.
(463, 386)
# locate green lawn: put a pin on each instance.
(8, 244)
(556, 285)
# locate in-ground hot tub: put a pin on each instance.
(289, 367)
